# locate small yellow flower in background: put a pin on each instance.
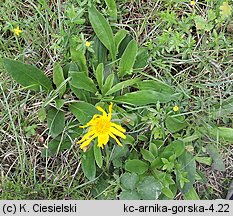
(175, 108)
(17, 31)
(225, 9)
(101, 127)
(192, 3)
(88, 44)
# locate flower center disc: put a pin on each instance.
(102, 126)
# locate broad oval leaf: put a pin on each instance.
(129, 181)
(218, 163)
(128, 59)
(108, 83)
(141, 59)
(58, 78)
(155, 85)
(222, 133)
(147, 155)
(102, 30)
(149, 188)
(56, 121)
(98, 156)
(99, 74)
(175, 124)
(83, 111)
(88, 164)
(188, 164)
(27, 75)
(121, 85)
(119, 36)
(80, 80)
(136, 166)
(191, 195)
(144, 97)
(129, 195)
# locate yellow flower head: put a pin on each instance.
(102, 127)
(175, 108)
(88, 44)
(17, 31)
(192, 3)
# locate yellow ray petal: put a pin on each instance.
(87, 142)
(101, 110)
(91, 122)
(110, 111)
(102, 140)
(117, 132)
(114, 137)
(86, 136)
(118, 127)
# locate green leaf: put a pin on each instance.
(136, 166)
(218, 163)
(83, 111)
(100, 52)
(98, 156)
(191, 195)
(153, 149)
(141, 59)
(58, 78)
(144, 97)
(188, 165)
(81, 81)
(129, 195)
(27, 75)
(190, 138)
(102, 30)
(225, 10)
(108, 83)
(81, 94)
(225, 108)
(42, 114)
(123, 45)
(56, 121)
(56, 145)
(128, 140)
(178, 147)
(222, 133)
(77, 55)
(202, 24)
(128, 59)
(167, 192)
(88, 164)
(119, 36)
(175, 124)
(99, 74)
(149, 188)
(112, 8)
(211, 15)
(122, 85)
(129, 181)
(155, 85)
(59, 103)
(147, 155)
(119, 152)
(204, 160)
